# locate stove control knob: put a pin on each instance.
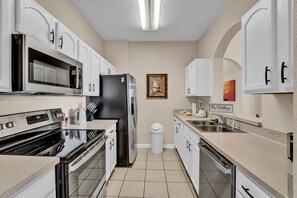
(59, 115)
(10, 124)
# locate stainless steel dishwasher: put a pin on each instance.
(217, 174)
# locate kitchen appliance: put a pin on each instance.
(201, 112)
(80, 116)
(117, 100)
(290, 146)
(81, 171)
(36, 68)
(217, 174)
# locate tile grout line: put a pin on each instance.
(165, 178)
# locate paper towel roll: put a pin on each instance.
(194, 108)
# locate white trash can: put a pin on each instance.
(157, 138)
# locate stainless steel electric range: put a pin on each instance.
(81, 171)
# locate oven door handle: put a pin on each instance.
(86, 155)
(225, 168)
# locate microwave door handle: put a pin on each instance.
(215, 161)
(81, 159)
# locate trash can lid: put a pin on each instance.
(157, 127)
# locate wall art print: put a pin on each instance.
(156, 86)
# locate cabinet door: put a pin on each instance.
(6, 28)
(67, 41)
(84, 56)
(185, 150)
(284, 45)
(108, 148)
(175, 133)
(201, 72)
(34, 20)
(187, 80)
(259, 48)
(194, 165)
(103, 66)
(95, 73)
(113, 70)
(114, 151)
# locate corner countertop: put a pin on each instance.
(18, 171)
(93, 125)
(263, 160)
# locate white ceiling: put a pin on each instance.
(180, 20)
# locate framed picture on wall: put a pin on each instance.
(229, 90)
(156, 86)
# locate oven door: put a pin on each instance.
(86, 173)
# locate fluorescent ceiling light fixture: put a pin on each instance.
(149, 11)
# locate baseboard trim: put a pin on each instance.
(171, 146)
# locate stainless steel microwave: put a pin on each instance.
(37, 68)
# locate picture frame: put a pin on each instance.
(156, 86)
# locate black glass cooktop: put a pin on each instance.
(66, 144)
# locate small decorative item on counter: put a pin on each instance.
(189, 114)
(183, 112)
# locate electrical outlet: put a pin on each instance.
(275, 133)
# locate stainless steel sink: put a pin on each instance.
(217, 128)
(200, 122)
(207, 126)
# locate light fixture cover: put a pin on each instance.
(149, 11)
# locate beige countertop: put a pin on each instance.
(262, 160)
(18, 171)
(93, 125)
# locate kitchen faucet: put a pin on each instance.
(223, 119)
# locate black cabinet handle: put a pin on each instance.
(90, 89)
(93, 87)
(190, 147)
(283, 78)
(247, 191)
(187, 144)
(53, 36)
(61, 42)
(266, 75)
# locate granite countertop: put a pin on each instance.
(93, 125)
(18, 171)
(263, 160)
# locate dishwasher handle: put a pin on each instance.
(212, 156)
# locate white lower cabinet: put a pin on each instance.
(111, 150)
(43, 187)
(186, 142)
(246, 188)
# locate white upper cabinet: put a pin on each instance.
(6, 28)
(106, 68)
(84, 56)
(34, 20)
(284, 46)
(67, 41)
(267, 50)
(197, 78)
(95, 58)
(91, 62)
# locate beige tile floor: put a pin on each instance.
(152, 175)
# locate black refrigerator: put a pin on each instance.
(117, 100)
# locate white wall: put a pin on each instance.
(153, 58)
